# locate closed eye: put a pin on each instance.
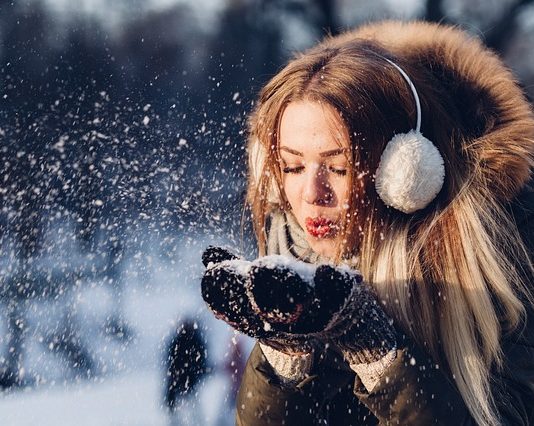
(293, 170)
(340, 172)
(300, 169)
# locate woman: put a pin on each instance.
(437, 325)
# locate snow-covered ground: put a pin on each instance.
(127, 383)
(131, 399)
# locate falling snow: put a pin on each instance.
(122, 147)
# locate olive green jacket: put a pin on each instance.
(413, 391)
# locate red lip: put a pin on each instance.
(320, 227)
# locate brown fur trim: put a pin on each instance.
(498, 133)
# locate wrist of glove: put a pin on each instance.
(288, 305)
(290, 368)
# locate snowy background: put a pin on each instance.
(122, 128)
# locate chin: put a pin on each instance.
(325, 247)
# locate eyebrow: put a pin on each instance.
(324, 154)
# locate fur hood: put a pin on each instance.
(497, 122)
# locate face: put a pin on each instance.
(314, 146)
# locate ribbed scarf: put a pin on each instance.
(286, 237)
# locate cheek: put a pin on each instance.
(292, 189)
(342, 191)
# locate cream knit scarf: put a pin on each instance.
(286, 237)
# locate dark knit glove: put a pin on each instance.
(342, 310)
(289, 303)
(227, 289)
(360, 328)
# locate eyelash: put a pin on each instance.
(300, 169)
(293, 170)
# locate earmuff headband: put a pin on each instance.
(411, 170)
(414, 92)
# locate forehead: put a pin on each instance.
(308, 126)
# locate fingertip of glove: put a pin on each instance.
(207, 283)
(335, 284)
(218, 280)
(329, 272)
(324, 270)
(278, 294)
(215, 254)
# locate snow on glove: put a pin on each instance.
(226, 288)
(342, 310)
(287, 304)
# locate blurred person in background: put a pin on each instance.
(186, 368)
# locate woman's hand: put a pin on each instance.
(288, 304)
(360, 329)
(228, 288)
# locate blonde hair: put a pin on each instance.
(453, 276)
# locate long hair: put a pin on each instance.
(452, 275)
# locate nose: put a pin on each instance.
(317, 190)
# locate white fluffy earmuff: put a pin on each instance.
(411, 170)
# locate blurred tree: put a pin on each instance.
(500, 35)
(434, 11)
